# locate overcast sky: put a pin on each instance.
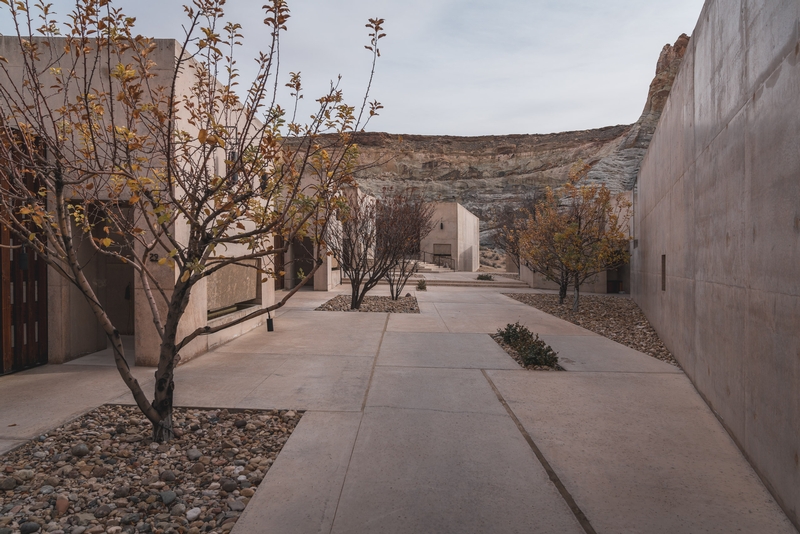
(465, 67)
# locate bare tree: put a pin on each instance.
(509, 223)
(103, 149)
(403, 220)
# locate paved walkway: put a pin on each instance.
(421, 423)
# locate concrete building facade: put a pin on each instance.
(73, 331)
(455, 235)
(716, 257)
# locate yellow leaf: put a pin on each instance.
(185, 276)
(162, 261)
(202, 136)
(106, 241)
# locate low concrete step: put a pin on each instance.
(509, 283)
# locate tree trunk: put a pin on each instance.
(577, 295)
(562, 292)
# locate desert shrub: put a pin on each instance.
(537, 352)
(514, 334)
(485, 276)
(422, 285)
(531, 349)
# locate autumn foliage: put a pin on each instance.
(576, 233)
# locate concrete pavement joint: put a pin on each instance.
(435, 307)
(360, 420)
(565, 494)
(375, 362)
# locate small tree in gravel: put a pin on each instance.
(510, 223)
(577, 235)
(103, 150)
(540, 245)
(406, 219)
(376, 236)
(595, 238)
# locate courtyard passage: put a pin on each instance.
(422, 423)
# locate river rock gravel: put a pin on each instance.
(407, 304)
(102, 473)
(615, 317)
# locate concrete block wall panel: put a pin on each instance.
(719, 196)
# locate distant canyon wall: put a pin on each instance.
(486, 172)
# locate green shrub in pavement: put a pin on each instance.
(531, 349)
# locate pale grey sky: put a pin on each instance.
(465, 67)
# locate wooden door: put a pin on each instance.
(23, 308)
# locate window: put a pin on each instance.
(663, 272)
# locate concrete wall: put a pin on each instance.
(456, 226)
(469, 240)
(718, 198)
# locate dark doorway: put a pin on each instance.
(23, 307)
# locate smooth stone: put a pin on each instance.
(62, 505)
(167, 476)
(178, 509)
(78, 530)
(46, 490)
(6, 531)
(168, 496)
(24, 474)
(236, 506)
(8, 483)
(121, 492)
(102, 511)
(79, 450)
(228, 485)
(193, 454)
(29, 528)
(130, 519)
(193, 514)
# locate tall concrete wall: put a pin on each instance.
(718, 206)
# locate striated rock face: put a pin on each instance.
(480, 171)
(618, 170)
(488, 171)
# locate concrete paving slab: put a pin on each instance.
(314, 383)
(441, 294)
(424, 471)
(40, 399)
(315, 332)
(458, 351)
(443, 390)
(597, 353)
(300, 493)
(200, 385)
(8, 444)
(106, 356)
(489, 317)
(412, 322)
(641, 452)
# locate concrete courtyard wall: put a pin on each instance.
(716, 266)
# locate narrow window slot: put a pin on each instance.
(663, 272)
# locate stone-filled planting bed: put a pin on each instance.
(102, 472)
(617, 318)
(407, 304)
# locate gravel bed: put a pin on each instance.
(407, 304)
(514, 354)
(103, 474)
(617, 318)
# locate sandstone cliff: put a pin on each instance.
(484, 172)
(618, 170)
